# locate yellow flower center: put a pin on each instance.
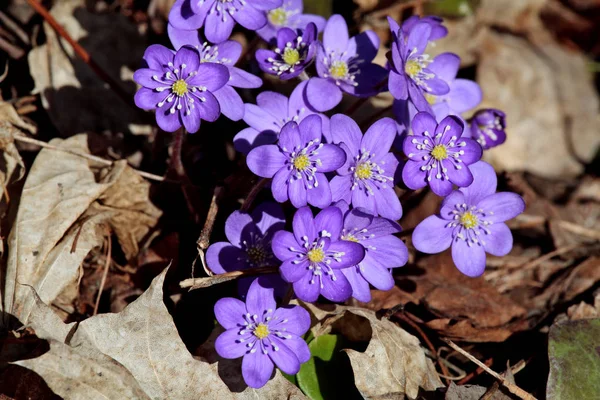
(412, 68)
(431, 98)
(339, 69)
(257, 255)
(351, 238)
(364, 171)
(277, 17)
(316, 255)
(290, 56)
(261, 331)
(301, 162)
(468, 220)
(439, 152)
(180, 87)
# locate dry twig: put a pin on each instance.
(198, 283)
(105, 273)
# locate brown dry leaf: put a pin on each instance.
(67, 84)
(143, 341)
(393, 364)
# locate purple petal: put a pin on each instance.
(389, 252)
(297, 320)
(346, 168)
(330, 220)
(383, 227)
(369, 81)
(360, 198)
(332, 157)
(189, 56)
(231, 51)
(297, 106)
(266, 160)
(472, 151)
(376, 275)
(342, 205)
(208, 109)
(360, 287)
(242, 79)
(460, 177)
(279, 185)
(418, 38)
(274, 103)
(228, 344)
(251, 18)
(158, 57)
(320, 195)
(441, 187)
(268, 33)
(145, 77)
(216, 28)
(237, 225)
(260, 119)
(449, 126)
(265, 5)
(436, 86)
(301, 20)
(311, 129)
(353, 254)
(182, 16)
(484, 182)
(337, 290)
(297, 193)
(192, 122)
(305, 290)
(499, 241)
(281, 244)
(417, 97)
(299, 347)
(289, 138)
(230, 312)
(304, 225)
(412, 176)
(284, 357)
(341, 188)
(213, 76)
(445, 66)
(431, 236)
(366, 44)
(358, 219)
(470, 260)
(398, 85)
(345, 130)
(269, 217)
(323, 94)
(222, 257)
(249, 138)
(449, 203)
(148, 99)
(464, 95)
(292, 271)
(335, 35)
(230, 102)
(259, 299)
(166, 121)
(379, 138)
(257, 369)
(388, 203)
(284, 36)
(424, 122)
(504, 205)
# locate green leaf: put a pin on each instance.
(451, 8)
(328, 374)
(574, 352)
(319, 7)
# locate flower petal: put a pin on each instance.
(297, 192)
(375, 274)
(260, 119)
(352, 254)
(228, 344)
(358, 219)
(360, 198)
(335, 35)
(441, 187)
(299, 347)
(266, 160)
(340, 187)
(424, 122)
(311, 129)
(274, 103)
(279, 185)
(360, 287)
(230, 312)
(320, 195)
(460, 177)
(418, 38)
(484, 182)
(345, 130)
(230, 103)
(503, 205)
(167, 121)
(251, 18)
(188, 56)
(269, 217)
(223, 257)
(249, 138)
(331, 156)
(464, 95)
(281, 244)
(304, 225)
(398, 84)
(412, 176)
(182, 16)
(242, 79)
(449, 203)
(499, 241)
(445, 66)
(257, 369)
(337, 290)
(307, 289)
(472, 151)
(329, 220)
(470, 260)
(387, 251)
(213, 76)
(148, 99)
(379, 138)
(322, 94)
(297, 320)
(388, 203)
(259, 300)
(366, 44)
(237, 226)
(284, 357)
(431, 236)
(292, 271)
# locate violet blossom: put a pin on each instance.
(344, 64)
(226, 53)
(438, 154)
(471, 221)
(179, 87)
(383, 251)
(297, 163)
(294, 51)
(218, 17)
(367, 178)
(271, 112)
(264, 335)
(488, 127)
(249, 245)
(314, 255)
(289, 15)
(438, 30)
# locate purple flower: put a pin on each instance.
(367, 178)
(413, 74)
(263, 334)
(471, 220)
(383, 251)
(289, 15)
(438, 155)
(226, 53)
(438, 30)
(219, 16)
(271, 112)
(313, 255)
(249, 245)
(488, 127)
(297, 164)
(294, 52)
(179, 87)
(344, 65)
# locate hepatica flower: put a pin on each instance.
(438, 154)
(294, 52)
(289, 15)
(488, 127)
(249, 245)
(471, 221)
(226, 53)
(220, 16)
(438, 30)
(383, 251)
(271, 112)
(344, 65)
(367, 178)
(297, 163)
(262, 334)
(179, 87)
(314, 255)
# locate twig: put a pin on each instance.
(105, 273)
(176, 165)
(534, 263)
(579, 230)
(100, 160)
(81, 52)
(253, 193)
(475, 373)
(204, 239)
(514, 389)
(198, 283)
(5, 73)
(12, 50)
(14, 27)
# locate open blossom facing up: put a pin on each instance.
(367, 178)
(262, 334)
(297, 163)
(471, 220)
(314, 255)
(344, 64)
(438, 155)
(383, 251)
(289, 15)
(220, 16)
(179, 87)
(294, 52)
(249, 245)
(271, 112)
(226, 53)
(488, 127)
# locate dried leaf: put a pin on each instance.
(393, 364)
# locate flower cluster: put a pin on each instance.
(348, 242)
